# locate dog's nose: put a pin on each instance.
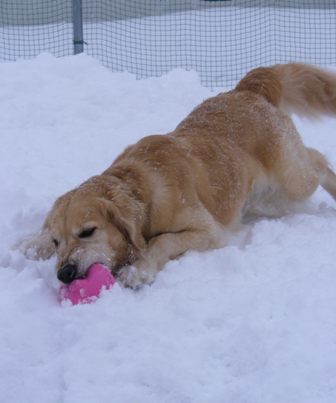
(67, 273)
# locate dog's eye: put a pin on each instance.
(87, 232)
(56, 243)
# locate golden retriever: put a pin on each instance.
(189, 189)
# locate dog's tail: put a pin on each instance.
(303, 89)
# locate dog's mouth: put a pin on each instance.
(70, 272)
(117, 267)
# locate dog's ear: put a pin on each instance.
(40, 246)
(128, 216)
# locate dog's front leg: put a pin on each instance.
(163, 248)
(38, 247)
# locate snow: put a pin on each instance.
(251, 323)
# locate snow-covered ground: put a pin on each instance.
(252, 323)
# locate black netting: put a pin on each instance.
(219, 39)
(29, 27)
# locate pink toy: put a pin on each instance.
(86, 289)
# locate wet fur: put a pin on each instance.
(189, 189)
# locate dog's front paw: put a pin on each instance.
(38, 247)
(131, 276)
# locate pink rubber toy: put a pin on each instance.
(87, 289)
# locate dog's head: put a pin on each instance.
(99, 222)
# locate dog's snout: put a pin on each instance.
(67, 273)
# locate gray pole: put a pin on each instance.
(77, 22)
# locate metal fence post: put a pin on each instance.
(77, 22)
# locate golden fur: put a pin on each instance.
(189, 189)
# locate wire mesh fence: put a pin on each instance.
(220, 39)
(29, 27)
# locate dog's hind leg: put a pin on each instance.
(327, 178)
(297, 176)
(300, 170)
(297, 169)
(328, 182)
